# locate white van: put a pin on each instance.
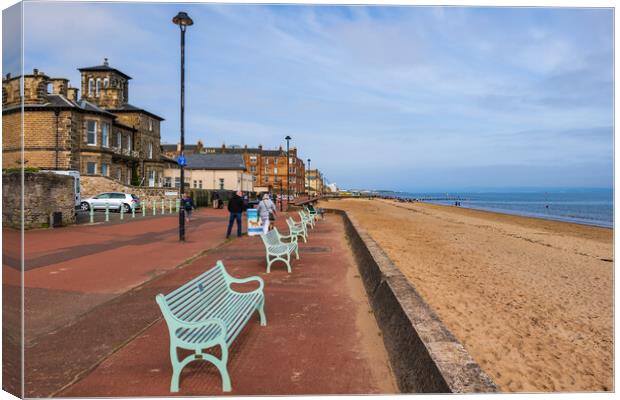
(76, 183)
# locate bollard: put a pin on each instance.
(143, 207)
(178, 204)
(91, 212)
(122, 211)
(163, 207)
(154, 208)
(170, 205)
(107, 212)
(133, 212)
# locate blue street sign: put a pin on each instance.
(182, 161)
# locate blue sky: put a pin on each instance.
(387, 97)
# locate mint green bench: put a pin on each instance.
(297, 229)
(306, 219)
(277, 250)
(206, 312)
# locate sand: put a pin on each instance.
(531, 300)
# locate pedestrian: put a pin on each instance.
(235, 208)
(188, 205)
(216, 200)
(266, 212)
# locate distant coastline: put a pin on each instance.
(592, 207)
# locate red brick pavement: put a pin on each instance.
(320, 337)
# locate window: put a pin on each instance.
(199, 184)
(275, 171)
(150, 125)
(167, 181)
(97, 87)
(253, 169)
(119, 174)
(129, 142)
(105, 128)
(91, 168)
(266, 160)
(119, 140)
(50, 88)
(221, 183)
(266, 179)
(104, 169)
(290, 160)
(106, 83)
(177, 182)
(91, 134)
(150, 150)
(91, 82)
(195, 185)
(252, 159)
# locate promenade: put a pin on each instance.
(93, 327)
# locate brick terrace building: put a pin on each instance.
(99, 134)
(314, 181)
(268, 167)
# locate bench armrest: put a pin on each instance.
(261, 284)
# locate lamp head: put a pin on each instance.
(182, 19)
(287, 137)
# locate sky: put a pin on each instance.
(378, 97)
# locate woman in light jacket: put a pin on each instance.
(264, 208)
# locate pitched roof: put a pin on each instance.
(131, 108)
(104, 67)
(215, 161)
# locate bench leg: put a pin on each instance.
(221, 366)
(296, 251)
(288, 262)
(261, 313)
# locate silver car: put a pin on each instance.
(114, 200)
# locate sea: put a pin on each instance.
(582, 206)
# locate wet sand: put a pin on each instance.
(531, 300)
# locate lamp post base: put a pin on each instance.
(182, 224)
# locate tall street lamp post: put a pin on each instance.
(183, 20)
(308, 173)
(288, 170)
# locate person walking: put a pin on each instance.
(188, 205)
(235, 208)
(266, 212)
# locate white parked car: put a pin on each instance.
(114, 201)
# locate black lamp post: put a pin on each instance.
(288, 170)
(183, 20)
(308, 173)
(281, 197)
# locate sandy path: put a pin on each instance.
(531, 300)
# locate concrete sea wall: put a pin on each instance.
(425, 355)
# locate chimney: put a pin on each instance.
(260, 147)
(280, 148)
(72, 93)
(245, 146)
(35, 71)
(8, 76)
(223, 145)
(105, 61)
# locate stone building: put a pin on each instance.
(268, 167)
(99, 134)
(211, 171)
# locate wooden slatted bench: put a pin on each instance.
(279, 250)
(206, 312)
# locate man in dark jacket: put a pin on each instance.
(235, 208)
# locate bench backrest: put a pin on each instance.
(196, 298)
(271, 238)
(291, 222)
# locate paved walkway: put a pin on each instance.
(320, 338)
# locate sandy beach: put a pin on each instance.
(531, 300)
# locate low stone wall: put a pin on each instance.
(425, 356)
(44, 193)
(92, 185)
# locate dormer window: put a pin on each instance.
(98, 87)
(91, 83)
(50, 88)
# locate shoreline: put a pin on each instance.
(530, 299)
(526, 215)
